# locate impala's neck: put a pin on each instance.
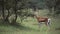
(36, 14)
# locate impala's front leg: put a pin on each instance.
(39, 24)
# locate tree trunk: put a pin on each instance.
(15, 10)
(15, 16)
(3, 13)
(6, 19)
(14, 21)
(3, 9)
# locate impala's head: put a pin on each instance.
(35, 13)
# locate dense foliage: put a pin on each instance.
(21, 8)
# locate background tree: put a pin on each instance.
(57, 7)
(50, 5)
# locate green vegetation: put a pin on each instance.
(29, 26)
(18, 16)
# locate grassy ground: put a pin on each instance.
(30, 26)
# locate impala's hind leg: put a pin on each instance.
(49, 22)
